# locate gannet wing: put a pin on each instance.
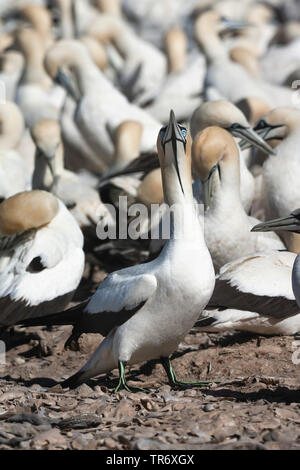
(260, 283)
(116, 300)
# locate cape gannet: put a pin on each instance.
(254, 294)
(290, 224)
(82, 200)
(227, 116)
(227, 227)
(144, 311)
(227, 78)
(280, 127)
(41, 256)
(36, 94)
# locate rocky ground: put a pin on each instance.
(254, 402)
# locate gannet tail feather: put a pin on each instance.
(101, 362)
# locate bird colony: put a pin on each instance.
(157, 142)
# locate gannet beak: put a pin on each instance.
(174, 134)
(231, 25)
(264, 131)
(251, 138)
(290, 224)
(64, 79)
(208, 187)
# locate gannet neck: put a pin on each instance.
(66, 18)
(176, 47)
(215, 157)
(6, 40)
(208, 38)
(97, 51)
(127, 140)
(33, 50)
(11, 125)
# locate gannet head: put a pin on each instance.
(27, 210)
(173, 145)
(224, 114)
(213, 152)
(214, 21)
(47, 138)
(277, 124)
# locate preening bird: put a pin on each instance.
(41, 256)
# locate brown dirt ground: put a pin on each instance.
(254, 405)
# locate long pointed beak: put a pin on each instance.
(231, 25)
(251, 138)
(173, 135)
(290, 224)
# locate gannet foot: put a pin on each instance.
(177, 384)
(123, 384)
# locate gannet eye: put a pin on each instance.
(261, 125)
(183, 132)
(236, 125)
(163, 131)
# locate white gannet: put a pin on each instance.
(254, 294)
(145, 66)
(82, 200)
(281, 172)
(182, 88)
(229, 79)
(36, 94)
(226, 225)
(41, 256)
(15, 176)
(290, 224)
(146, 310)
(226, 115)
(100, 106)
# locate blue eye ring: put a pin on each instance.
(236, 125)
